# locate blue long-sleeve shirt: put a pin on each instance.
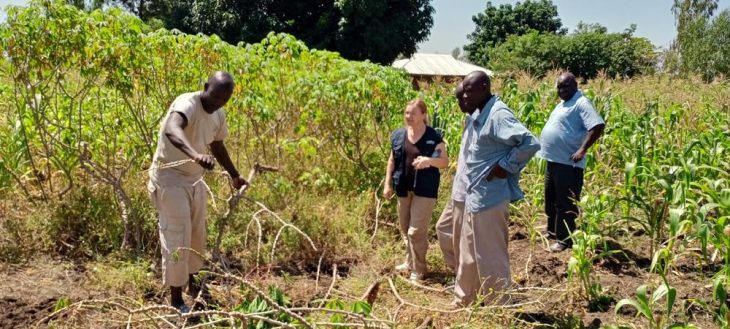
(501, 139)
(458, 190)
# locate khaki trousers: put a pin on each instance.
(414, 214)
(182, 223)
(448, 231)
(484, 259)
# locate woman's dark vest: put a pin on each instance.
(426, 180)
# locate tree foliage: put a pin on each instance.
(496, 24)
(530, 37)
(377, 30)
(701, 46)
(586, 52)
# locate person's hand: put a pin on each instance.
(422, 162)
(578, 155)
(498, 172)
(238, 182)
(205, 161)
(387, 192)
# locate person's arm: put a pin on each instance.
(524, 145)
(388, 188)
(174, 132)
(441, 162)
(591, 137)
(221, 154)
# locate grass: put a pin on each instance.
(136, 279)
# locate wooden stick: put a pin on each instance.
(233, 202)
(426, 323)
(332, 284)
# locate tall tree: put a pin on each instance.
(698, 44)
(719, 33)
(378, 30)
(687, 11)
(495, 24)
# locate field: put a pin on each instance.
(314, 244)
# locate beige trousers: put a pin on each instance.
(182, 223)
(414, 214)
(448, 231)
(484, 259)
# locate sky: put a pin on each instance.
(653, 19)
(4, 3)
(452, 19)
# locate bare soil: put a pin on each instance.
(29, 292)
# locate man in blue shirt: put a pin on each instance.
(448, 227)
(573, 126)
(501, 148)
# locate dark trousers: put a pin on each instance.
(563, 184)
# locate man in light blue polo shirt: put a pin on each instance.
(574, 126)
(501, 148)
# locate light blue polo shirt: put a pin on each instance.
(566, 129)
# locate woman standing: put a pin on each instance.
(417, 154)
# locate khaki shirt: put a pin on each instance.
(203, 128)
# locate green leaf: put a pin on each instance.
(61, 303)
(630, 302)
(671, 297)
(572, 264)
(335, 304)
(641, 295)
(719, 292)
(362, 307)
(655, 259)
(659, 293)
